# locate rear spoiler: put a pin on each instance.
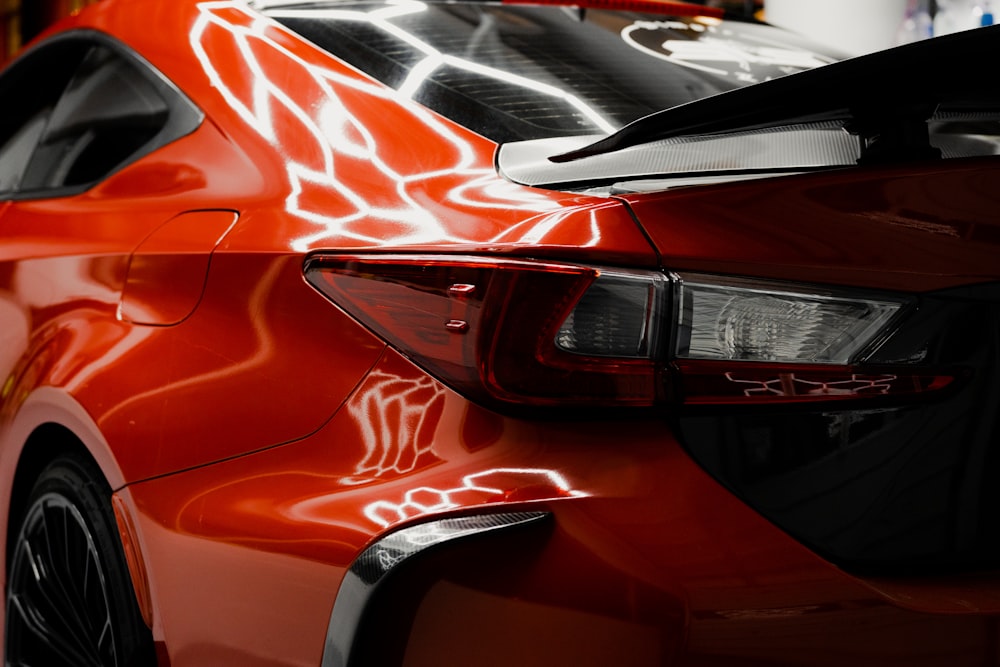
(886, 98)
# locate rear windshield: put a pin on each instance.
(514, 73)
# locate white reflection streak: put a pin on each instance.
(503, 193)
(331, 128)
(259, 117)
(392, 414)
(544, 88)
(595, 231)
(535, 230)
(426, 499)
(420, 73)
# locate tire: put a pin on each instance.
(69, 595)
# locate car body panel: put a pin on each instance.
(675, 570)
(177, 253)
(905, 229)
(491, 215)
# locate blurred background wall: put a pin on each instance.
(853, 26)
(20, 20)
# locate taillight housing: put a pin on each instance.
(738, 319)
(541, 333)
(513, 331)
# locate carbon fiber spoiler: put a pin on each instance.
(886, 98)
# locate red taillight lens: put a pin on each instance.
(536, 333)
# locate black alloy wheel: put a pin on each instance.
(70, 600)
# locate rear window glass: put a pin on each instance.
(516, 73)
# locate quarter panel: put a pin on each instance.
(910, 228)
(645, 546)
(262, 361)
(167, 272)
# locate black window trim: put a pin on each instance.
(184, 116)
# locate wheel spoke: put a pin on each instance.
(45, 639)
(57, 585)
(58, 607)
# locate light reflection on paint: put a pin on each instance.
(396, 417)
(488, 192)
(13, 338)
(492, 485)
(35, 282)
(340, 137)
(536, 231)
(334, 132)
(261, 352)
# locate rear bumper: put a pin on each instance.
(644, 559)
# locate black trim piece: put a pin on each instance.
(384, 556)
(184, 116)
(885, 97)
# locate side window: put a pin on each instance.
(101, 110)
(30, 90)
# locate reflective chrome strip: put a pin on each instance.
(380, 558)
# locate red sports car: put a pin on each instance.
(625, 332)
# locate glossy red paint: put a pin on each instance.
(901, 229)
(176, 254)
(258, 438)
(232, 339)
(675, 570)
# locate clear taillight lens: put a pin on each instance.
(745, 320)
(743, 341)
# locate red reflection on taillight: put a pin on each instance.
(729, 383)
(485, 327)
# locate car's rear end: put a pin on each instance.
(775, 446)
(717, 397)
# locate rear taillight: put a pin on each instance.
(549, 333)
(535, 333)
